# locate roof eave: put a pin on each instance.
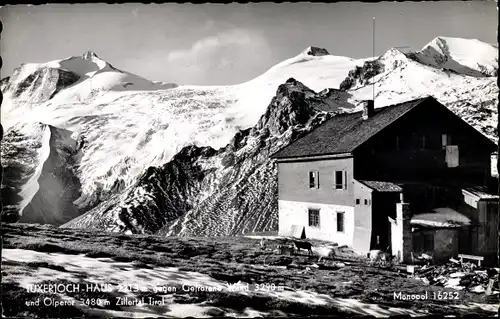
(314, 157)
(479, 197)
(381, 191)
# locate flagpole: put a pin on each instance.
(373, 57)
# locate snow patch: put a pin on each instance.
(264, 237)
(104, 270)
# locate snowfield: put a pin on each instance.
(150, 123)
(104, 271)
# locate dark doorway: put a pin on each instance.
(465, 239)
(383, 206)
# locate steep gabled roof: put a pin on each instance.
(345, 132)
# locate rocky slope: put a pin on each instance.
(208, 192)
(22, 157)
(39, 174)
(396, 77)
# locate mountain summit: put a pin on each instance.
(466, 56)
(77, 79)
(89, 55)
(315, 51)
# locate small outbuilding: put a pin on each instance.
(439, 233)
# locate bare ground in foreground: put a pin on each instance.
(213, 260)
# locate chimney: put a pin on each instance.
(368, 109)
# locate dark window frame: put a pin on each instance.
(313, 217)
(341, 222)
(343, 180)
(313, 179)
(423, 241)
(423, 144)
(445, 140)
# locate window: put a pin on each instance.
(340, 222)
(340, 180)
(366, 201)
(358, 201)
(445, 140)
(314, 179)
(423, 142)
(314, 217)
(423, 241)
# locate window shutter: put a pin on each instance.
(345, 179)
(317, 179)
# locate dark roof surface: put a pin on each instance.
(345, 132)
(382, 186)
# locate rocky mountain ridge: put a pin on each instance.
(208, 192)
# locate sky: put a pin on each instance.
(222, 44)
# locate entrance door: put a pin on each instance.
(465, 239)
(383, 206)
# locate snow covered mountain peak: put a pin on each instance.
(292, 85)
(315, 51)
(89, 55)
(76, 79)
(467, 56)
(437, 41)
(393, 53)
(393, 57)
(453, 42)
